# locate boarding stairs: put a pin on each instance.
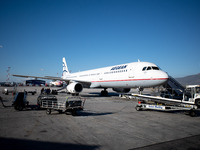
(174, 87)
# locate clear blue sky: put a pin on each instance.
(36, 34)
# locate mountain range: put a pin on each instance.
(189, 80)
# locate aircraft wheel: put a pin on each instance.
(138, 108)
(16, 107)
(192, 113)
(74, 113)
(60, 111)
(20, 108)
(48, 111)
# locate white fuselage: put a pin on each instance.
(131, 75)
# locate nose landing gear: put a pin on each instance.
(140, 90)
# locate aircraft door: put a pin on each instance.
(101, 76)
(132, 71)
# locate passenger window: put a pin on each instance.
(144, 69)
(149, 68)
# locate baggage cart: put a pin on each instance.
(71, 104)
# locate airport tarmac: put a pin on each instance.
(106, 123)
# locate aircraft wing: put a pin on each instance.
(36, 77)
(54, 78)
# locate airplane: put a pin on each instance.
(56, 83)
(121, 78)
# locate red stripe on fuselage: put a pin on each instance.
(132, 80)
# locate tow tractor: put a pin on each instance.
(20, 101)
(189, 103)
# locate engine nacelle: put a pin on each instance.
(121, 90)
(74, 87)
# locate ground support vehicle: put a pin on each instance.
(189, 103)
(145, 102)
(20, 101)
(71, 104)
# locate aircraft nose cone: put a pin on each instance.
(164, 76)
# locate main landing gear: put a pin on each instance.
(104, 92)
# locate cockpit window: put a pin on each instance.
(150, 68)
(198, 89)
(144, 69)
(155, 68)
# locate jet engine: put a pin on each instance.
(121, 90)
(74, 87)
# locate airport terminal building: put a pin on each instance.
(35, 82)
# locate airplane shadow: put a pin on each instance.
(95, 94)
(23, 144)
(79, 113)
(85, 113)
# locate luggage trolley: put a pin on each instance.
(71, 104)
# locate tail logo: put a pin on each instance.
(64, 68)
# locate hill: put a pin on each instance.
(189, 80)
